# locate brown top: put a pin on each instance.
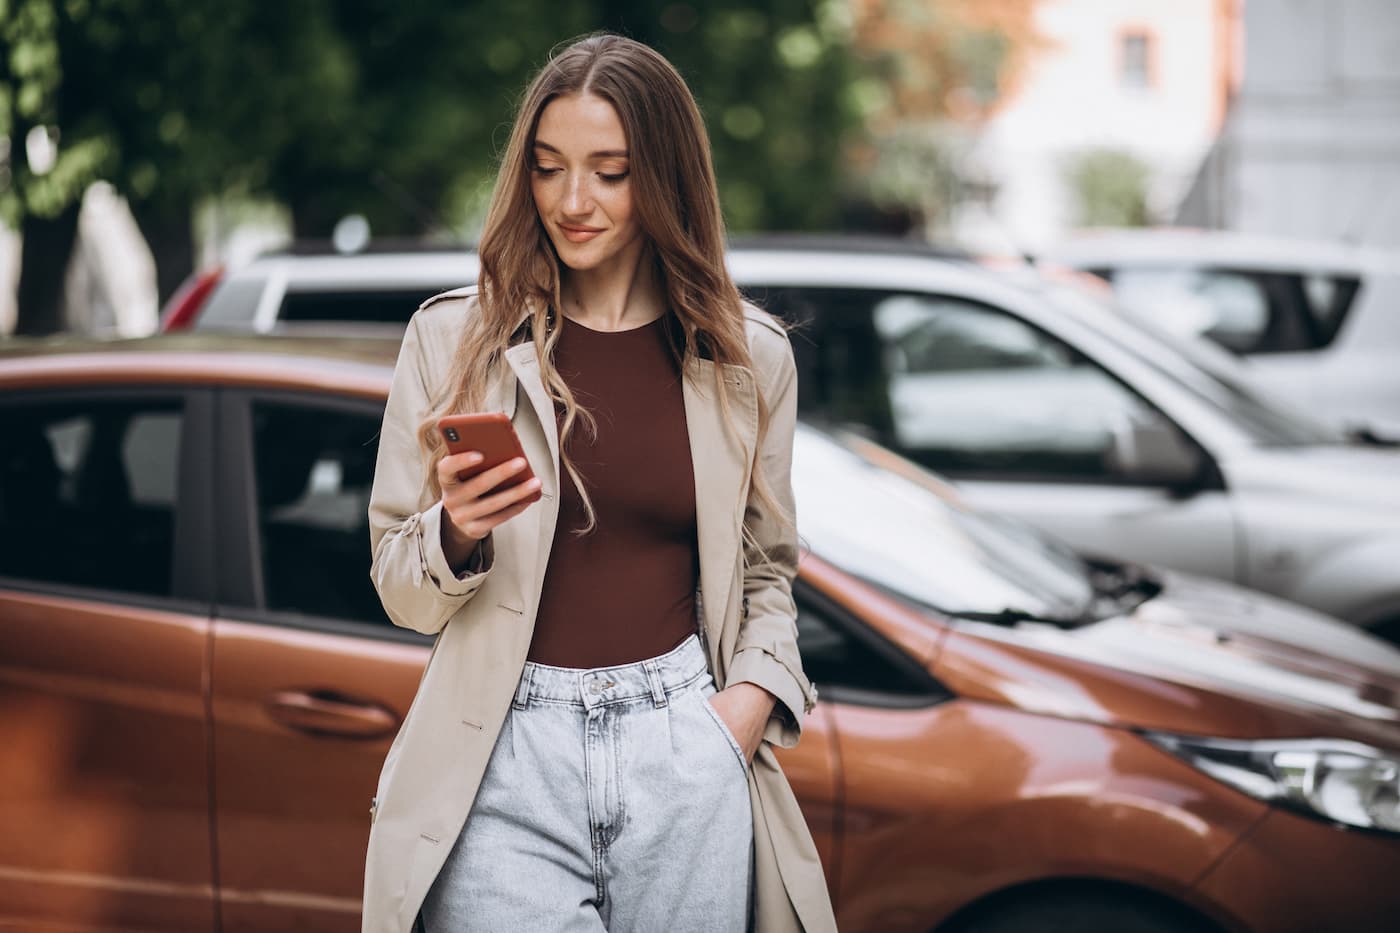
(626, 591)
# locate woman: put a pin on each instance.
(568, 762)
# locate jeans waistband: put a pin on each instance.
(653, 679)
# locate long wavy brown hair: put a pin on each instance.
(677, 205)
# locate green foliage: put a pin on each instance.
(394, 109)
(771, 82)
(1111, 188)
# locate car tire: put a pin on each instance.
(1079, 911)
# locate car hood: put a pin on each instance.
(1203, 658)
(1353, 474)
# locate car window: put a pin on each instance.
(904, 531)
(960, 387)
(1329, 301)
(840, 372)
(1231, 309)
(1218, 382)
(233, 304)
(313, 467)
(362, 306)
(850, 665)
(88, 492)
(1245, 311)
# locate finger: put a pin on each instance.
(464, 509)
(451, 465)
(489, 505)
(481, 484)
(482, 526)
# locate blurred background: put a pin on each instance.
(143, 140)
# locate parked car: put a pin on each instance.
(1319, 322)
(309, 292)
(199, 685)
(1042, 402)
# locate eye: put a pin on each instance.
(545, 171)
(613, 179)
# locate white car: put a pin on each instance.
(1046, 404)
(1319, 322)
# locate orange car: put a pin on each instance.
(198, 686)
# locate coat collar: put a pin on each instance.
(721, 458)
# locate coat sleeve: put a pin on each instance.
(766, 652)
(410, 571)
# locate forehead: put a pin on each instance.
(580, 123)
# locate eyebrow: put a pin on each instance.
(600, 154)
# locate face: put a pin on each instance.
(581, 183)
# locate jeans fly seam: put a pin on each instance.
(593, 832)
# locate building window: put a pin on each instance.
(1135, 60)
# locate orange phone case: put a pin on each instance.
(493, 436)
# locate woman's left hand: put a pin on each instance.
(744, 708)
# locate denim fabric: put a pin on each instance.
(615, 799)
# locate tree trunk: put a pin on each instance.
(45, 247)
(169, 232)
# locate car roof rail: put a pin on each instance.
(864, 243)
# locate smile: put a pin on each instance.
(579, 234)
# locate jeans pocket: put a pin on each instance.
(724, 731)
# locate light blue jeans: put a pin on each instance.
(615, 799)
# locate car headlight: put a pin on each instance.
(1344, 782)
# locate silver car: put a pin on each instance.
(1043, 403)
(1318, 322)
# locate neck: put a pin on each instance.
(617, 296)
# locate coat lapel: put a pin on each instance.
(526, 368)
(540, 438)
(720, 457)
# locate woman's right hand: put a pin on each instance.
(471, 513)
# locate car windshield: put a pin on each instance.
(1197, 369)
(889, 522)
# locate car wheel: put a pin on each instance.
(1079, 912)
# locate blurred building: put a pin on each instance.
(1146, 79)
(1312, 144)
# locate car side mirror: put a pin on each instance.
(1152, 452)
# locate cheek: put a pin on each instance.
(540, 193)
(620, 204)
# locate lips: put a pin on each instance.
(577, 234)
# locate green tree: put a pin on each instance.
(770, 79)
(1110, 186)
(394, 109)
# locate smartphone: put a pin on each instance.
(493, 436)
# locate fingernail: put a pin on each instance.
(518, 462)
(473, 458)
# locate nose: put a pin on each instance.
(577, 202)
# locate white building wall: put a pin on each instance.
(1071, 98)
(1312, 147)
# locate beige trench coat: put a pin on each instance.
(484, 620)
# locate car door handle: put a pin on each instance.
(324, 712)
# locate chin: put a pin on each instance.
(578, 256)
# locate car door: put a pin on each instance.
(310, 679)
(880, 709)
(1026, 424)
(104, 633)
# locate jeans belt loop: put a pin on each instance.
(658, 690)
(522, 692)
